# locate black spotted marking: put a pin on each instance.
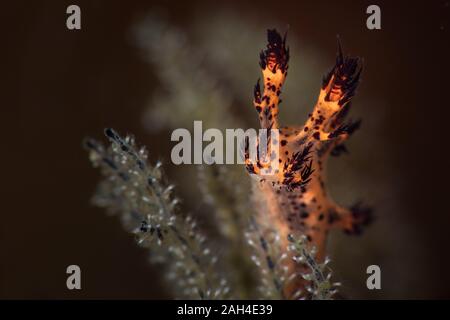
(304, 215)
(277, 54)
(347, 128)
(339, 150)
(257, 92)
(333, 217)
(316, 135)
(361, 214)
(250, 168)
(346, 72)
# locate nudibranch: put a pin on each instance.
(293, 198)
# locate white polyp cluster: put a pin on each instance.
(134, 190)
(317, 274)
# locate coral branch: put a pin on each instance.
(134, 190)
(317, 274)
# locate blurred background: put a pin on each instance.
(147, 67)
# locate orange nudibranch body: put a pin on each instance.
(294, 199)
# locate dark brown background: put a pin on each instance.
(66, 85)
